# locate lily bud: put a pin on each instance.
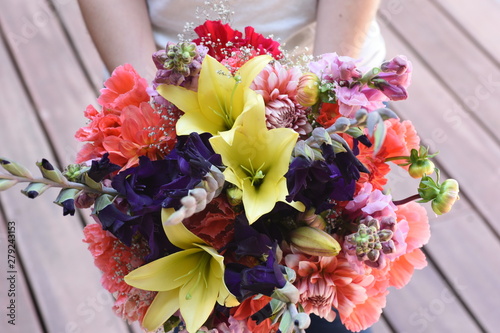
(314, 242)
(421, 168)
(15, 169)
(448, 194)
(308, 90)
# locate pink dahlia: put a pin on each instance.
(368, 313)
(326, 282)
(116, 260)
(278, 87)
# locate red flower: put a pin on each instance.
(215, 224)
(222, 41)
(328, 114)
(251, 306)
(262, 44)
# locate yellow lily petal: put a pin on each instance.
(226, 298)
(165, 273)
(197, 298)
(251, 69)
(193, 120)
(215, 89)
(257, 160)
(180, 236)
(220, 100)
(165, 304)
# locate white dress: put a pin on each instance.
(291, 22)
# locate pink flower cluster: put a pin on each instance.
(116, 260)
(129, 125)
(353, 90)
(355, 289)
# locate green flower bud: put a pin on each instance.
(51, 173)
(314, 242)
(421, 168)
(34, 189)
(448, 194)
(234, 195)
(5, 184)
(74, 171)
(308, 90)
(15, 169)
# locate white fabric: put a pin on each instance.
(291, 22)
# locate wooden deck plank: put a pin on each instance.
(446, 126)
(24, 318)
(381, 327)
(73, 23)
(460, 247)
(60, 269)
(460, 66)
(479, 21)
(461, 144)
(59, 87)
(426, 304)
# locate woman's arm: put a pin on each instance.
(342, 25)
(121, 31)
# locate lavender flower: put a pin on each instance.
(179, 64)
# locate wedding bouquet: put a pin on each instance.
(243, 191)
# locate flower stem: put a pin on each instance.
(397, 158)
(78, 186)
(410, 198)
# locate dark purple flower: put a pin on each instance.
(153, 185)
(245, 281)
(100, 169)
(316, 182)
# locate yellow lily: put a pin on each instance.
(257, 160)
(220, 100)
(191, 280)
